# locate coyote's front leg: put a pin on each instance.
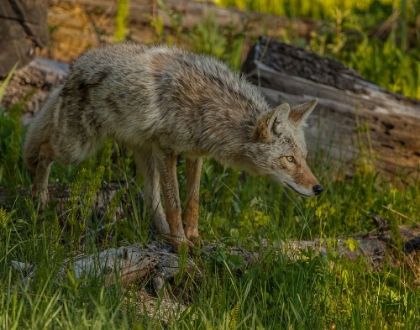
(167, 169)
(193, 194)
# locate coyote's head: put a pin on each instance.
(279, 150)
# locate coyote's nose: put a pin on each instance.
(317, 189)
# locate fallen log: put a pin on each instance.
(195, 13)
(158, 262)
(128, 265)
(356, 122)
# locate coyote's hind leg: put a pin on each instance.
(40, 186)
(193, 167)
(146, 164)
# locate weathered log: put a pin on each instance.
(127, 265)
(377, 247)
(355, 119)
(158, 262)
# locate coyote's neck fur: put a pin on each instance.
(213, 110)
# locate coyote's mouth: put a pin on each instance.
(297, 190)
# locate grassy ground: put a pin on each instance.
(277, 293)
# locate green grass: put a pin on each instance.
(121, 18)
(236, 209)
(317, 292)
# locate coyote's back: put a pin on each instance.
(163, 102)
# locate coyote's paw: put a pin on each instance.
(196, 240)
(193, 235)
(180, 244)
(42, 197)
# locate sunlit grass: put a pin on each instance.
(305, 8)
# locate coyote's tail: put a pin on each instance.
(39, 132)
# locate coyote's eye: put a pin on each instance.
(290, 159)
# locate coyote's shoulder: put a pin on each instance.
(163, 102)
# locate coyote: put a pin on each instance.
(162, 102)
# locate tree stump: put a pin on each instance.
(23, 26)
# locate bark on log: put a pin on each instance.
(128, 265)
(354, 121)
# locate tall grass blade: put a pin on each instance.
(6, 81)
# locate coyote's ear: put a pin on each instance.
(268, 122)
(300, 112)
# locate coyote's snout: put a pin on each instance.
(163, 102)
